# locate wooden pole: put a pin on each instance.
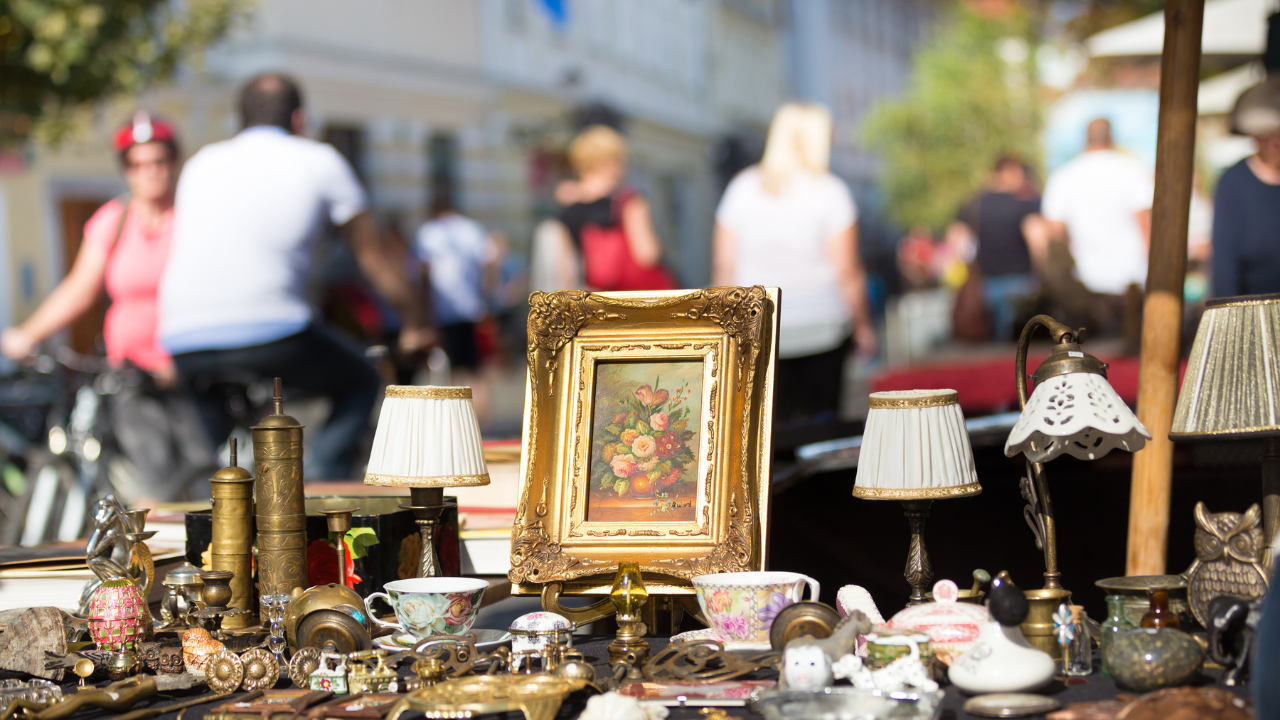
(1162, 308)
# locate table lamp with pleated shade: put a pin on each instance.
(915, 449)
(428, 439)
(1231, 390)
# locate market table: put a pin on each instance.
(1092, 688)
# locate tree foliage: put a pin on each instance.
(965, 106)
(60, 57)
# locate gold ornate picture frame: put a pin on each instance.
(647, 431)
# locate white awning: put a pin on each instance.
(1219, 93)
(1231, 27)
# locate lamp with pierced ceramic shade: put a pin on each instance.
(915, 449)
(428, 439)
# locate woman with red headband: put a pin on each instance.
(125, 247)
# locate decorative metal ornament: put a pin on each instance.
(304, 662)
(378, 678)
(457, 656)
(261, 670)
(815, 619)
(123, 665)
(231, 546)
(1228, 560)
(537, 696)
(704, 661)
(224, 672)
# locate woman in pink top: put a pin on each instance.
(126, 256)
(128, 266)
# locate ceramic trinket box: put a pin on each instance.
(952, 626)
(534, 634)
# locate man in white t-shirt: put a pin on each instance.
(1100, 202)
(249, 212)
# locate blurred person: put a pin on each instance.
(1099, 205)
(250, 211)
(1246, 220)
(609, 223)
(995, 220)
(917, 257)
(554, 264)
(462, 261)
(789, 222)
(124, 250)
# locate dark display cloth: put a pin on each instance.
(1092, 688)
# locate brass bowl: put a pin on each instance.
(1134, 589)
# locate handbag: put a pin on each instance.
(606, 256)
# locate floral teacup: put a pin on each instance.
(431, 606)
(741, 606)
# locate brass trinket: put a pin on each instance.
(224, 672)
(628, 596)
(261, 671)
(83, 668)
(304, 662)
(281, 519)
(231, 548)
(704, 661)
(122, 665)
(338, 522)
(378, 678)
(328, 614)
(457, 655)
(537, 696)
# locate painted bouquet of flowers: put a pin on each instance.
(644, 449)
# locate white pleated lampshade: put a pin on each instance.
(427, 437)
(915, 447)
(1232, 385)
(1077, 413)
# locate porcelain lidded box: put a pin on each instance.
(952, 626)
(534, 633)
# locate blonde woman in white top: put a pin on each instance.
(789, 222)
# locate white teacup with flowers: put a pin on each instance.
(432, 605)
(741, 606)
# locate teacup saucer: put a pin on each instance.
(486, 639)
(733, 646)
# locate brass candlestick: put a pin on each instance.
(277, 471)
(339, 522)
(231, 548)
(427, 503)
(629, 595)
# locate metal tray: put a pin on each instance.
(848, 703)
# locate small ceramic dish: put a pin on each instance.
(486, 640)
(732, 646)
(1005, 705)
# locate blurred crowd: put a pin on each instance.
(207, 269)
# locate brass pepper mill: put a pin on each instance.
(277, 473)
(232, 545)
(629, 595)
(339, 522)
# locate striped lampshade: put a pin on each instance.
(427, 436)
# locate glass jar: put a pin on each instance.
(1077, 656)
(1115, 624)
(1160, 616)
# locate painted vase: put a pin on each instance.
(1148, 659)
(119, 619)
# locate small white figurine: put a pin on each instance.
(806, 667)
(613, 706)
(906, 671)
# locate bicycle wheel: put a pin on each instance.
(41, 507)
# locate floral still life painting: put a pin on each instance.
(644, 442)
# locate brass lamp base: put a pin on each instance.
(919, 572)
(629, 647)
(427, 505)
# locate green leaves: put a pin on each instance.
(359, 539)
(59, 58)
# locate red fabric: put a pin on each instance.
(127, 136)
(607, 260)
(987, 386)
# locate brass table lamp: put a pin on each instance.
(915, 449)
(1072, 410)
(1232, 389)
(428, 439)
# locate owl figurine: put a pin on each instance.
(1228, 559)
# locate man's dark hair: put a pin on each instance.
(270, 99)
(441, 203)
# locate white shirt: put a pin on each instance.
(247, 216)
(1097, 195)
(783, 240)
(457, 249)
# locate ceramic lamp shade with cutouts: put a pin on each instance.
(1079, 414)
